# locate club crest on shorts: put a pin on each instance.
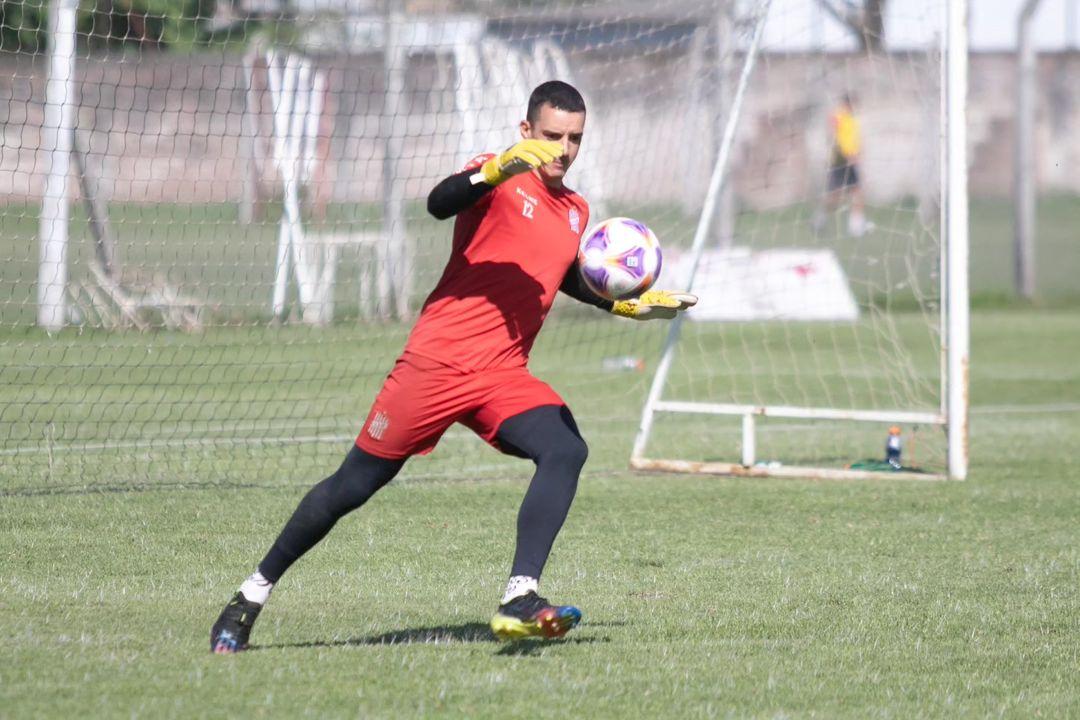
(378, 425)
(575, 220)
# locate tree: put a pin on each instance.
(177, 24)
(22, 25)
(865, 19)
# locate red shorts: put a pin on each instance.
(421, 398)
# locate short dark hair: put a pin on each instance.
(557, 94)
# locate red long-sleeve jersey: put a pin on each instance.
(511, 250)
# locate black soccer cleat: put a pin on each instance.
(233, 627)
(530, 615)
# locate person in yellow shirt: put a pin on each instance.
(843, 178)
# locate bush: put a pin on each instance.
(159, 24)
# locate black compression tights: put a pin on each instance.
(549, 437)
(358, 478)
(546, 435)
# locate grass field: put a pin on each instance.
(249, 404)
(204, 252)
(702, 597)
(143, 474)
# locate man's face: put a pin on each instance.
(563, 127)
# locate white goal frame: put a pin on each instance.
(953, 412)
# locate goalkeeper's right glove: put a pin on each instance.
(523, 156)
(654, 305)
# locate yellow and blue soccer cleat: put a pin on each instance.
(530, 615)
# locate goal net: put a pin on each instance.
(831, 338)
(214, 234)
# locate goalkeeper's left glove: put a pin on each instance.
(654, 305)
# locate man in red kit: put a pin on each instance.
(515, 245)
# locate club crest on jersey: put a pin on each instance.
(575, 220)
(378, 425)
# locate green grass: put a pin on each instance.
(901, 251)
(143, 474)
(703, 597)
(244, 404)
(204, 252)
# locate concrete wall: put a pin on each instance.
(167, 128)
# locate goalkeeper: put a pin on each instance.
(515, 242)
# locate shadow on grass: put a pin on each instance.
(524, 648)
(442, 635)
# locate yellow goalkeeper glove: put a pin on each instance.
(654, 305)
(523, 156)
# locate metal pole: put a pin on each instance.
(957, 337)
(391, 252)
(97, 210)
(1071, 24)
(281, 101)
(748, 441)
(247, 142)
(943, 213)
(57, 136)
(696, 79)
(704, 221)
(725, 47)
(1024, 162)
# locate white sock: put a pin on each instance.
(256, 588)
(519, 585)
(856, 224)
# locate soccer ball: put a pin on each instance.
(619, 258)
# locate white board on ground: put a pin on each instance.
(738, 284)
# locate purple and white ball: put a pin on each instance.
(619, 258)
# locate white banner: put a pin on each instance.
(738, 284)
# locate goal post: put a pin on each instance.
(956, 307)
(58, 136)
(951, 414)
